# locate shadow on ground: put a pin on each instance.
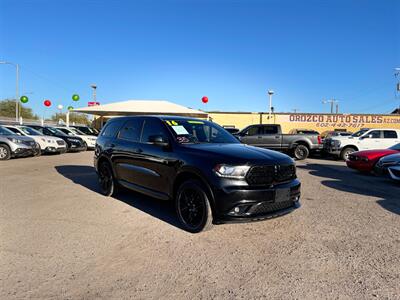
(341, 178)
(87, 177)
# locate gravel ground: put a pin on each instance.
(60, 239)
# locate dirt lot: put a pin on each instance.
(60, 239)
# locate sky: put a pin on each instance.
(230, 51)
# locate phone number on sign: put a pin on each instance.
(341, 125)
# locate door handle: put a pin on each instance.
(260, 137)
(277, 136)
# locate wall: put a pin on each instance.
(318, 122)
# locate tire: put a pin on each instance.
(5, 152)
(108, 185)
(345, 153)
(301, 152)
(193, 207)
(38, 151)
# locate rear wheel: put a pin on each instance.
(107, 181)
(5, 152)
(301, 152)
(193, 207)
(346, 152)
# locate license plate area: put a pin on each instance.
(282, 195)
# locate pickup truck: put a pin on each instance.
(270, 136)
(364, 139)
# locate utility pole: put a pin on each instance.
(16, 87)
(270, 93)
(332, 102)
(94, 87)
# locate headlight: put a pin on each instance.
(74, 140)
(50, 141)
(16, 141)
(235, 172)
(43, 139)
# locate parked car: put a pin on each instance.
(74, 144)
(389, 161)
(88, 139)
(47, 144)
(364, 139)
(12, 145)
(364, 161)
(86, 130)
(271, 137)
(394, 172)
(211, 176)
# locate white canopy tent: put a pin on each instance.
(141, 107)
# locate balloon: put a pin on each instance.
(75, 97)
(47, 103)
(70, 107)
(60, 107)
(24, 99)
(204, 99)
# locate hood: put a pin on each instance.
(240, 153)
(375, 153)
(20, 137)
(395, 158)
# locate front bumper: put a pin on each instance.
(23, 152)
(77, 147)
(242, 204)
(55, 149)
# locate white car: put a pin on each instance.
(48, 144)
(364, 139)
(88, 139)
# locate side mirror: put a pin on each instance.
(158, 140)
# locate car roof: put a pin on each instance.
(160, 117)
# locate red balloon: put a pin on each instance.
(204, 99)
(47, 103)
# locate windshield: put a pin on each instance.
(197, 131)
(29, 131)
(5, 131)
(359, 133)
(76, 131)
(55, 131)
(395, 147)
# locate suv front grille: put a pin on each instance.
(266, 207)
(260, 175)
(28, 143)
(60, 142)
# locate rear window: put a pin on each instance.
(111, 129)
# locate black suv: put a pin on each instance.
(74, 144)
(212, 177)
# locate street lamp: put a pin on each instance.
(16, 87)
(94, 87)
(270, 93)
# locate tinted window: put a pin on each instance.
(390, 134)
(270, 129)
(13, 130)
(376, 134)
(131, 130)
(111, 129)
(255, 130)
(152, 127)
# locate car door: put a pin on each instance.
(252, 135)
(372, 140)
(270, 137)
(156, 162)
(390, 138)
(126, 152)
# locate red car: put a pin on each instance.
(364, 161)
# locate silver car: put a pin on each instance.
(12, 145)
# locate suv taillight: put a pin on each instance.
(319, 140)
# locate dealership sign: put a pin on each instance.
(92, 103)
(343, 120)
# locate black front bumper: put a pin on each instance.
(23, 152)
(243, 204)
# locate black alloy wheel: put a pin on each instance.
(301, 152)
(193, 207)
(106, 180)
(5, 152)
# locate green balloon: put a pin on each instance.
(75, 97)
(70, 108)
(24, 99)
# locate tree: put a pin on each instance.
(7, 109)
(73, 117)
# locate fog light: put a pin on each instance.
(237, 209)
(297, 198)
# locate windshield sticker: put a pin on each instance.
(182, 139)
(195, 122)
(180, 130)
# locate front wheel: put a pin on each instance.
(301, 152)
(193, 207)
(346, 152)
(5, 152)
(37, 151)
